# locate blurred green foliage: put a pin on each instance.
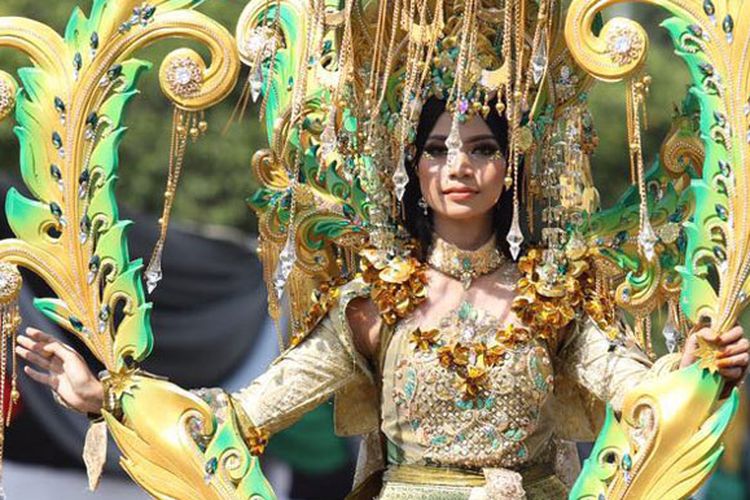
(217, 176)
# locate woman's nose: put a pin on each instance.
(461, 166)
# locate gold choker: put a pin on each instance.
(464, 265)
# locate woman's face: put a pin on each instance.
(472, 186)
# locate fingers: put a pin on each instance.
(32, 345)
(47, 345)
(39, 335)
(737, 361)
(730, 336)
(34, 358)
(742, 345)
(42, 378)
(731, 374)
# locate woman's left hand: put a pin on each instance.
(734, 353)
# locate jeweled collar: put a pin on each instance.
(464, 265)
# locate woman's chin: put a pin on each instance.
(457, 210)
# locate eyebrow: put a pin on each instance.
(476, 138)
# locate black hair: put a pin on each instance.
(420, 226)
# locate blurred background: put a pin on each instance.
(210, 271)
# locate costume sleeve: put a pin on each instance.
(301, 379)
(607, 369)
(324, 363)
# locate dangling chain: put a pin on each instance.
(184, 125)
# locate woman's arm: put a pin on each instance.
(305, 376)
(62, 369)
(332, 356)
(609, 369)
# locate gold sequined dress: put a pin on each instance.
(468, 409)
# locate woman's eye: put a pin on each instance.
(486, 150)
(436, 151)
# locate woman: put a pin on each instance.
(468, 399)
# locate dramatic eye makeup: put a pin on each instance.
(483, 146)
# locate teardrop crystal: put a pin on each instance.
(539, 60)
(256, 83)
(400, 178)
(647, 239)
(515, 236)
(153, 273)
(284, 268)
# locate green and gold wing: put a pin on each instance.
(69, 109)
(668, 439)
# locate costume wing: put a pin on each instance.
(69, 112)
(667, 440)
(313, 211)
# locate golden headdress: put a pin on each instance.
(343, 86)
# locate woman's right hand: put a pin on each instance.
(62, 369)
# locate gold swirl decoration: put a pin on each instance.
(618, 51)
(60, 262)
(70, 122)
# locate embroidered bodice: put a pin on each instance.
(467, 393)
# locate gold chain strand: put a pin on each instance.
(183, 125)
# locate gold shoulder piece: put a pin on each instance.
(397, 283)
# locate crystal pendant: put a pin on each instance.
(453, 143)
(400, 178)
(515, 237)
(539, 60)
(647, 239)
(671, 336)
(284, 268)
(153, 273)
(256, 83)
(328, 140)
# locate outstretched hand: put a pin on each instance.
(62, 369)
(734, 353)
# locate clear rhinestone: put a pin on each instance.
(400, 178)
(256, 83)
(622, 44)
(284, 268)
(671, 336)
(539, 60)
(154, 273)
(647, 239)
(183, 75)
(328, 140)
(515, 237)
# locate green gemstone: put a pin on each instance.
(211, 466)
(76, 323)
(466, 264)
(627, 462)
(77, 61)
(720, 254)
(722, 212)
(728, 24)
(55, 209)
(59, 105)
(92, 120)
(94, 41)
(708, 8)
(55, 172)
(57, 140)
(94, 263)
(114, 72)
